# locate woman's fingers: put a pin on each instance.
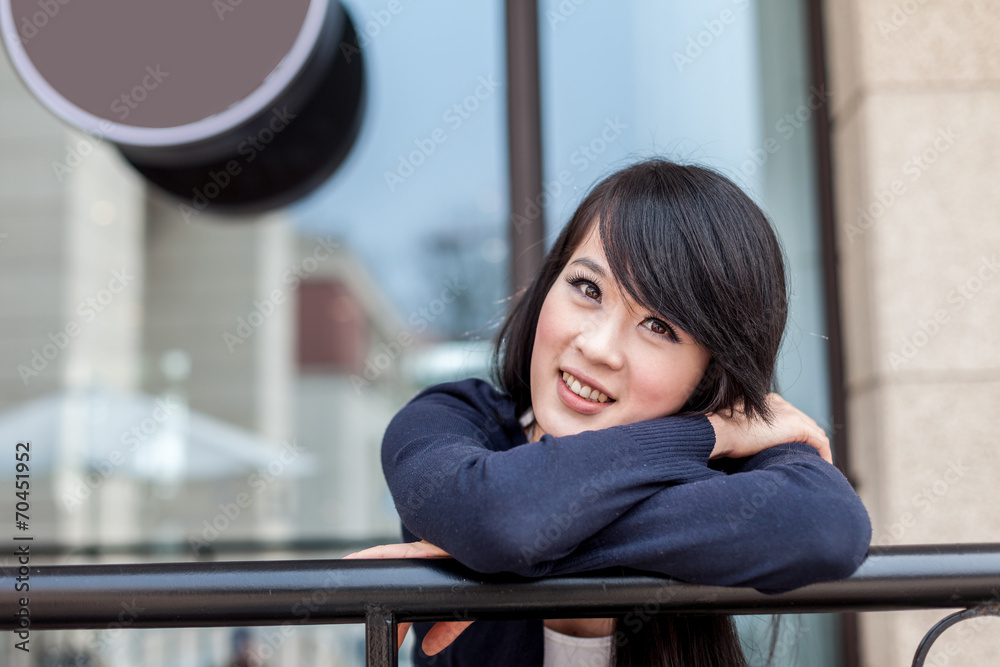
(736, 436)
(401, 634)
(436, 639)
(811, 433)
(442, 634)
(820, 443)
(421, 549)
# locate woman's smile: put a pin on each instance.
(575, 401)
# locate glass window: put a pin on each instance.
(723, 83)
(193, 388)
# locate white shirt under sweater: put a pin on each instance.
(566, 651)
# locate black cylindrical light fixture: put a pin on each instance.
(232, 106)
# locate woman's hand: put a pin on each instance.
(736, 437)
(441, 634)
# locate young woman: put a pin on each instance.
(631, 425)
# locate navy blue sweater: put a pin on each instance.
(643, 495)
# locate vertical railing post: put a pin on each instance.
(380, 637)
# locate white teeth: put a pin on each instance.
(584, 391)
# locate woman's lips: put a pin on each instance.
(575, 402)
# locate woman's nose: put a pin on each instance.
(599, 341)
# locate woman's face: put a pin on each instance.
(590, 329)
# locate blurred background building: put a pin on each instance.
(217, 386)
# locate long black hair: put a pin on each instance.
(686, 243)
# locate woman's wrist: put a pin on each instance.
(721, 448)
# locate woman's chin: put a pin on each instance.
(564, 425)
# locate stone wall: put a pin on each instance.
(915, 99)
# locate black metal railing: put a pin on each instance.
(383, 593)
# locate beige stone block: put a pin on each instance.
(876, 632)
(930, 231)
(935, 467)
(941, 459)
(866, 454)
(928, 41)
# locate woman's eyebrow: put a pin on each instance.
(592, 265)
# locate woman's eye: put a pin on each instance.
(587, 288)
(661, 328)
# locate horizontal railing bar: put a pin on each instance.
(224, 594)
(205, 549)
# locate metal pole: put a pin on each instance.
(226, 594)
(380, 638)
(527, 216)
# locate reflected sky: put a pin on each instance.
(431, 156)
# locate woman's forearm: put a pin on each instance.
(457, 483)
(787, 520)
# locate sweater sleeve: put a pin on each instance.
(458, 483)
(786, 519)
